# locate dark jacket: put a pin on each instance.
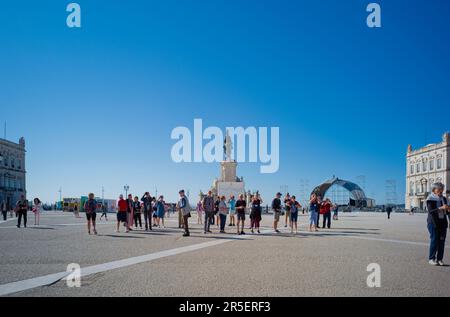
(440, 223)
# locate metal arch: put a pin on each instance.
(356, 192)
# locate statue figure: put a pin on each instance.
(228, 147)
(409, 148)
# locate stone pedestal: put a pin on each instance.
(228, 184)
(228, 171)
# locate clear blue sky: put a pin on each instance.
(97, 104)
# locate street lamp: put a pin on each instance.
(126, 188)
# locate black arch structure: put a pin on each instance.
(357, 196)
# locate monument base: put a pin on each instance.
(230, 188)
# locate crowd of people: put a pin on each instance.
(218, 211)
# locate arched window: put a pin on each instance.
(439, 163)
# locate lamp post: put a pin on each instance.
(126, 188)
(103, 197)
(60, 196)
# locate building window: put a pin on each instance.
(431, 164)
(424, 166)
(417, 187)
(411, 169)
(411, 188)
(19, 164)
(418, 168)
(439, 163)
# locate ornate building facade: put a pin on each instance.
(425, 166)
(12, 171)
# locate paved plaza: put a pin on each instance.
(331, 262)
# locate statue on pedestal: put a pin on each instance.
(228, 147)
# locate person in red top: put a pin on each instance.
(325, 211)
(122, 209)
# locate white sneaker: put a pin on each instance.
(432, 262)
(440, 263)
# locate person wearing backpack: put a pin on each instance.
(148, 210)
(208, 207)
(184, 210)
(90, 207)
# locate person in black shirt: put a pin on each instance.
(137, 212)
(90, 207)
(240, 211)
(255, 215)
(148, 210)
(276, 207)
(22, 209)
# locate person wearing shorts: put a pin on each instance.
(240, 211)
(276, 207)
(287, 208)
(295, 207)
(90, 207)
(122, 210)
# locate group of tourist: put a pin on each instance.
(215, 211)
(130, 212)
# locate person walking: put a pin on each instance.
(438, 211)
(184, 210)
(287, 209)
(160, 211)
(22, 210)
(199, 210)
(232, 206)
(122, 213)
(325, 211)
(76, 212)
(208, 207)
(276, 207)
(295, 207)
(240, 211)
(255, 215)
(90, 207)
(137, 208)
(37, 208)
(223, 211)
(147, 206)
(389, 211)
(313, 211)
(4, 210)
(104, 212)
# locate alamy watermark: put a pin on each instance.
(374, 278)
(73, 279)
(250, 144)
